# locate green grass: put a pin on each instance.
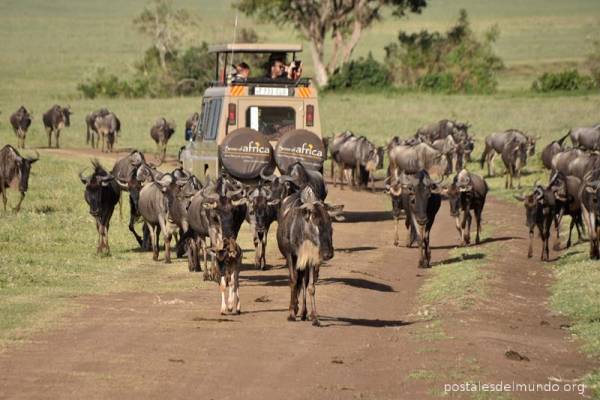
(48, 253)
(457, 283)
(576, 294)
(49, 47)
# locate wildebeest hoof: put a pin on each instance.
(396, 243)
(316, 322)
(291, 318)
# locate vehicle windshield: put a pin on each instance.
(271, 121)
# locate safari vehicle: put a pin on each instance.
(249, 123)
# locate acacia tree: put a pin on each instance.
(343, 21)
(166, 26)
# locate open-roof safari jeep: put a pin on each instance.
(249, 124)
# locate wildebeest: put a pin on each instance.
(161, 132)
(90, 130)
(363, 158)
(400, 203)
(20, 121)
(424, 201)
(125, 171)
(55, 119)
(204, 223)
(302, 176)
(163, 204)
(305, 239)
(107, 125)
(262, 211)
(540, 209)
(551, 149)
(334, 145)
(467, 192)
(102, 193)
(215, 212)
(561, 161)
(590, 207)
(495, 143)
(191, 126)
(229, 262)
(583, 164)
(412, 159)
(568, 202)
(514, 157)
(442, 129)
(450, 149)
(587, 138)
(14, 169)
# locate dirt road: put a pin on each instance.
(176, 346)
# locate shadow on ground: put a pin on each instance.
(358, 283)
(327, 321)
(366, 216)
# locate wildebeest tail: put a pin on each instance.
(483, 157)
(562, 139)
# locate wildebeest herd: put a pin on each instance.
(204, 218)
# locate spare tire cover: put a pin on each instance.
(245, 152)
(300, 145)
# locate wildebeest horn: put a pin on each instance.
(264, 177)
(37, 157)
(438, 182)
(122, 185)
(519, 197)
(231, 193)
(83, 179)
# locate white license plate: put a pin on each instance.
(270, 91)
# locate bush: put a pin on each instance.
(453, 62)
(364, 73)
(566, 80)
(108, 85)
(187, 74)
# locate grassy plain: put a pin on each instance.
(47, 252)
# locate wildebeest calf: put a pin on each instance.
(229, 261)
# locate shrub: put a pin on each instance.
(187, 74)
(107, 85)
(364, 73)
(567, 80)
(453, 62)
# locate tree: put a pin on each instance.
(166, 26)
(316, 20)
